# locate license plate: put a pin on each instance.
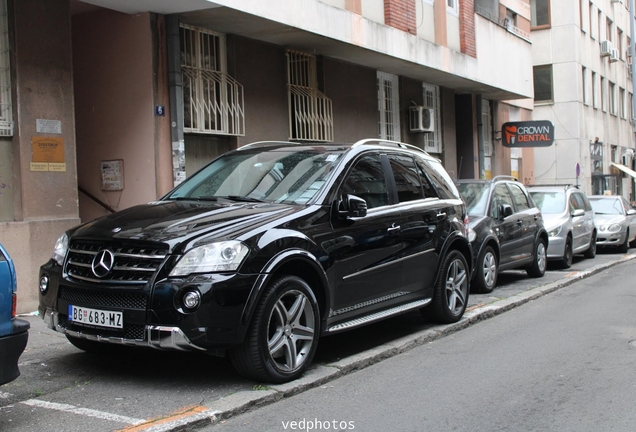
(95, 317)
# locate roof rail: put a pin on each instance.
(388, 142)
(567, 185)
(266, 144)
(504, 177)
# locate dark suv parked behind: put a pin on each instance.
(264, 250)
(505, 229)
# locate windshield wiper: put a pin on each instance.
(201, 198)
(244, 198)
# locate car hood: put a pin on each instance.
(607, 219)
(551, 221)
(173, 222)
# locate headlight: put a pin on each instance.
(555, 232)
(614, 228)
(472, 235)
(60, 249)
(213, 257)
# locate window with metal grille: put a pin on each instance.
(388, 106)
(212, 100)
(433, 140)
(310, 111)
(486, 122)
(6, 110)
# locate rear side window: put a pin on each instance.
(440, 179)
(407, 178)
(520, 198)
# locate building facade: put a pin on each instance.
(110, 103)
(583, 84)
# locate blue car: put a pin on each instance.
(14, 332)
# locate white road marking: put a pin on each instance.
(82, 411)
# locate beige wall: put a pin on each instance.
(115, 95)
(44, 203)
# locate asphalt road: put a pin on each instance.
(564, 362)
(64, 389)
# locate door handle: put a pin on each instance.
(393, 229)
(441, 215)
(519, 222)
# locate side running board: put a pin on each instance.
(378, 315)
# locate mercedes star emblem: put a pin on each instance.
(103, 263)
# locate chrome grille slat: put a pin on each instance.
(131, 266)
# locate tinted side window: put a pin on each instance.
(577, 202)
(2, 258)
(500, 196)
(407, 179)
(366, 180)
(586, 202)
(520, 198)
(440, 179)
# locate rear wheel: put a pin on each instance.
(451, 289)
(566, 261)
(537, 269)
(282, 337)
(591, 251)
(486, 278)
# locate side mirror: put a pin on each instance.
(352, 206)
(631, 212)
(505, 210)
(578, 213)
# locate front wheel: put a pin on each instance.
(283, 334)
(591, 251)
(451, 289)
(537, 269)
(486, 277)
(566, 261)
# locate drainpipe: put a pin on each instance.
(175, 84)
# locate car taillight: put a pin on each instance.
(14, 305)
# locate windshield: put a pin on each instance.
(549, 202)
(286, 175)
(606, 206)
(475, 195)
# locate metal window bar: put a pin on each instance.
(433, 141)
(388, 107)
(213, 101)
(310, 111)
(6, 108)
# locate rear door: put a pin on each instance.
(528, 215)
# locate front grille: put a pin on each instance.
(130, 331)
(130, 266)
(111, 299)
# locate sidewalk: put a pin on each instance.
(483, 307)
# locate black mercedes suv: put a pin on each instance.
(263, 251)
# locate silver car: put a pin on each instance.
(616, 221)
(569, 219)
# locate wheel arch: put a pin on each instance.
(295, 262)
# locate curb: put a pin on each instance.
(244, 401)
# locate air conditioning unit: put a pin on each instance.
(422, 119)
(606, 48)
(613, 57)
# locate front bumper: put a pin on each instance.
(610, 239)
(156, 336)
(11, 348)
(556, 248)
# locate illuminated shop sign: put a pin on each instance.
(539, 133)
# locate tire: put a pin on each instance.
(566, 261)
(632, 244)
(591, 251)
(451, 290)
(537, 269)
(283, 334)
(94, 347)
(622, 248)
(487, 268)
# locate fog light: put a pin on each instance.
(191, 300)
(44, 284)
